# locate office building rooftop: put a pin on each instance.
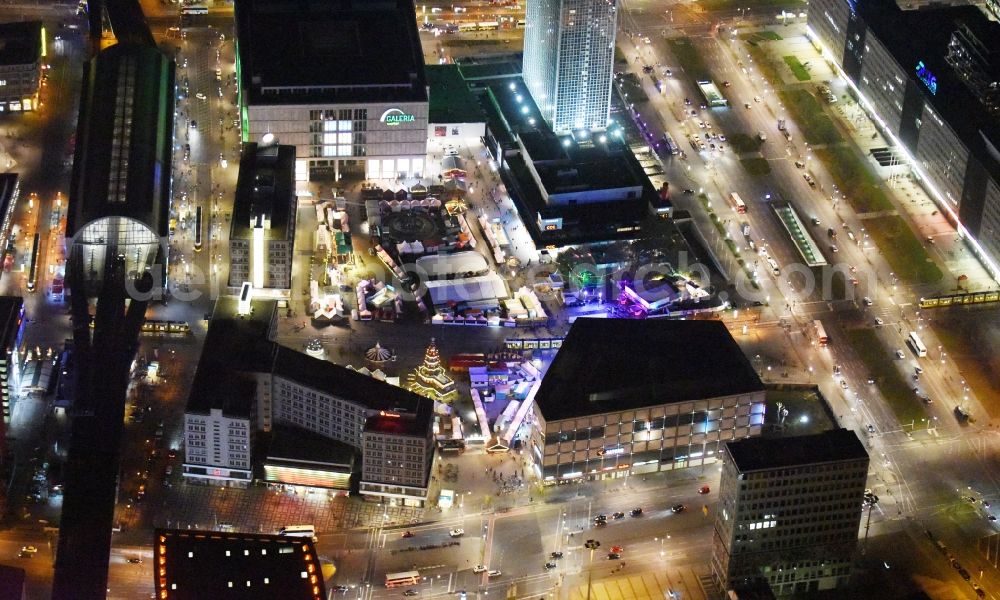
(760, 453)
(244, 566)
(265, 192)
(574, 167)
(608, 365)
(20, 42)
(234, 344)
(415, 410)
(947, 92)
(309, 51)
(451, 100)
(294, 445)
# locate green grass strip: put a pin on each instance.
(797, 68)
(807, 112)
(902, 250)
(881, 366)
(756, 167)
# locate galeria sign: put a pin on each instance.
(394, 116)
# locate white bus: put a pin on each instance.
(400, 579)
(194, 10)
(737, 203)
(308, 531)
(916, 345)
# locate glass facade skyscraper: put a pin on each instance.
(569, 53)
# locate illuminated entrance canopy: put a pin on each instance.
(395, 116)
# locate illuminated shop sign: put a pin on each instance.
(927, 77)
(394, 116)
(611, 451)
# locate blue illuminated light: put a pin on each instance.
(927, 77)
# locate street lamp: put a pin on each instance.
(591, 545)
(871, 500)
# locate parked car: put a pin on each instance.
(550, 565)
(494, 573)
(456, 532)
(478, 569)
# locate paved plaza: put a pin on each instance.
(266, 510)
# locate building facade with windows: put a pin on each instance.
(11, 338)
(627, 397)
(343, 82)
(246, 384)
(398, 450)
(569, 53)
(391, 427)
(262, 232)
(934, 95)
(220, 420)
(22, 55)
(789, 511)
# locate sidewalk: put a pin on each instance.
(648, 585)
(265, 510)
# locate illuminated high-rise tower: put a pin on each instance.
(569, 53)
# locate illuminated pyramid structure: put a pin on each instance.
(430, 378)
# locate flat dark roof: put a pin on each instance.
(296, 445)
(595, 168)
(403, 424)
(576, 168)
(760, 453)
(474, 69)
(144, 171)
(335, 51)
(356, 387)
(11, 583)
(233, 345)
(953, 102)
(265, 189)
(20, 42)
(608, 365)
(237, 566)
(451, 100)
